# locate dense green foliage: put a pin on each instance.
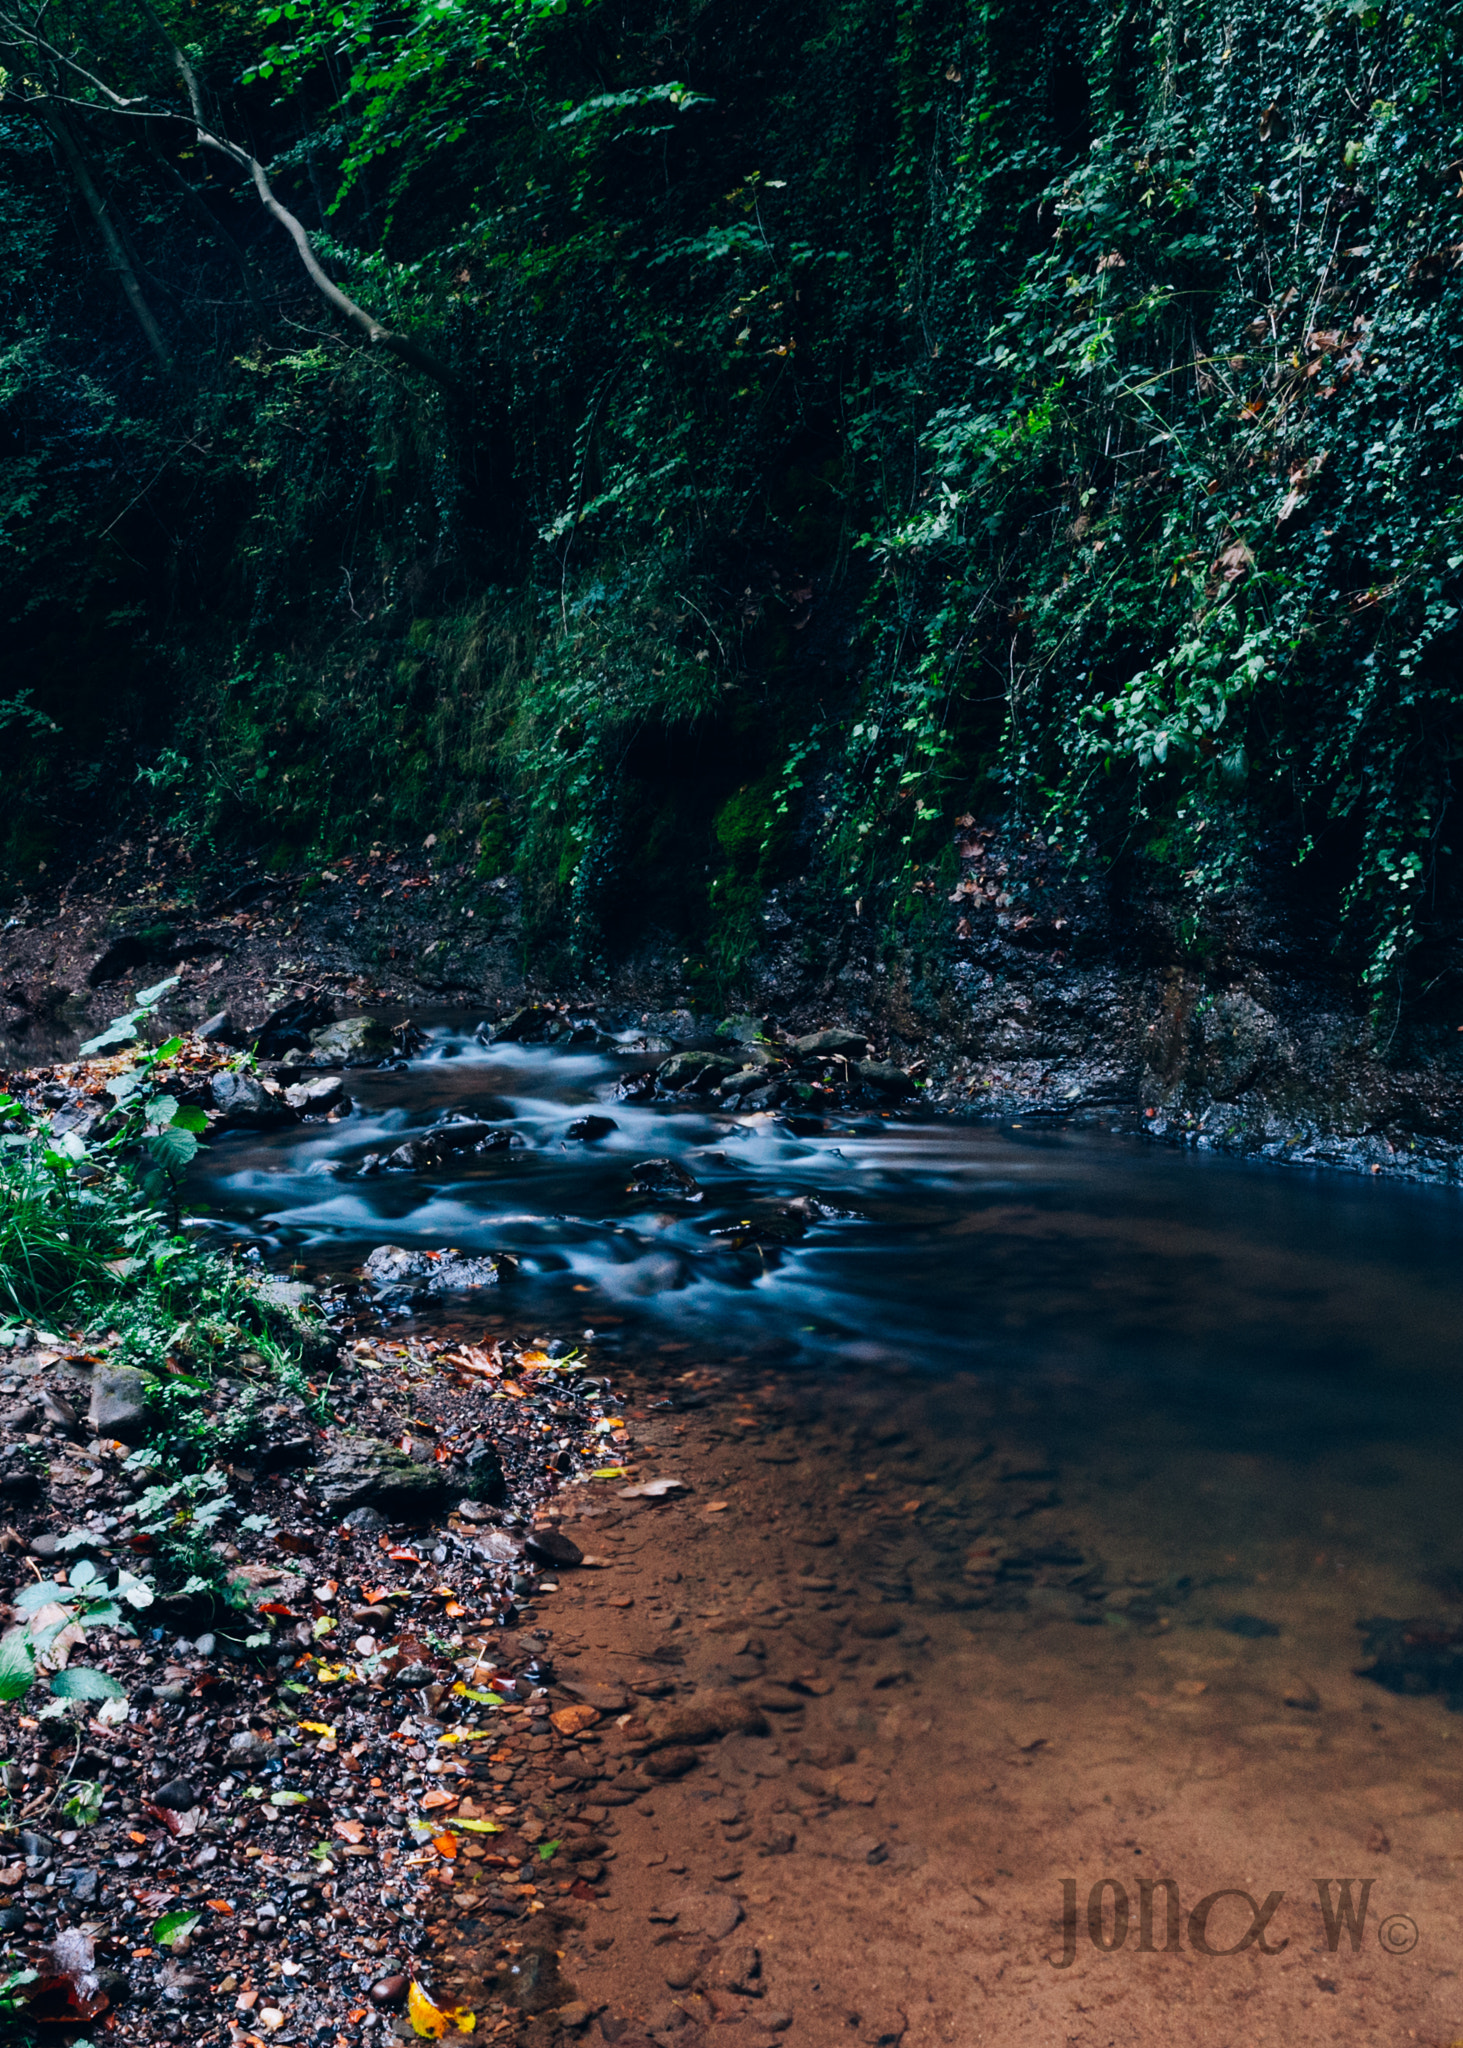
(843, 416)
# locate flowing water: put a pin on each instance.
(1242, 1359)
(1127, 1442)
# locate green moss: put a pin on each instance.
(750, 830)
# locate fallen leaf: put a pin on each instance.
(653, 1489)
(570, 1720)
(717, 1507)
(318, 1728)
(172, 1928)
(350, 1830)
(431, 2021)
(445, 1845)
(477, 1827)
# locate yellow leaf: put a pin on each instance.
(318, 1728)
(611, 1472)
(534, 1358)
(431, 2021)
(325, 1624)
(427, 2019)
(477, 1827)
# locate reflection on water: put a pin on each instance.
(1235, 1356)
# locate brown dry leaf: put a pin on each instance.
(435, 1801)
(350, 1830)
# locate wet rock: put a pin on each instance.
(1301, 1694)
(84, 1118)
(244, 1103)
(1235, 1033)
(247, 1749)
(394, 1273)
(663, 1179)
(549, 1547)
(120, 1399)
(366, 1473)
(831, 1044)
(447, 1141)
(534, 1021)
(218, 1029)
(177, 1794)
(742, 1028)
(480, 1476)
(388, 1991)
(353, 1042)
(317, 1097)
(365, 1521)
(589, 1128)
(289, 1028)
(884, 1078)
(695, 1073)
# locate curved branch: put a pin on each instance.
(15, 34)
(377, 334)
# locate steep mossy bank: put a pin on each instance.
(782, 433)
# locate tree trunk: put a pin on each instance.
(117, 255)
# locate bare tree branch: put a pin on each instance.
(27, 38)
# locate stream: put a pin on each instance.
(1233, 1369)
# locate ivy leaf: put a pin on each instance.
(80, 1682)
(17, 1665)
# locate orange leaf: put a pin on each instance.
(274, 1607)
(350, 1830)
(454, 1610)
(570, 1720)
(445, 1845)
(219, 1905)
